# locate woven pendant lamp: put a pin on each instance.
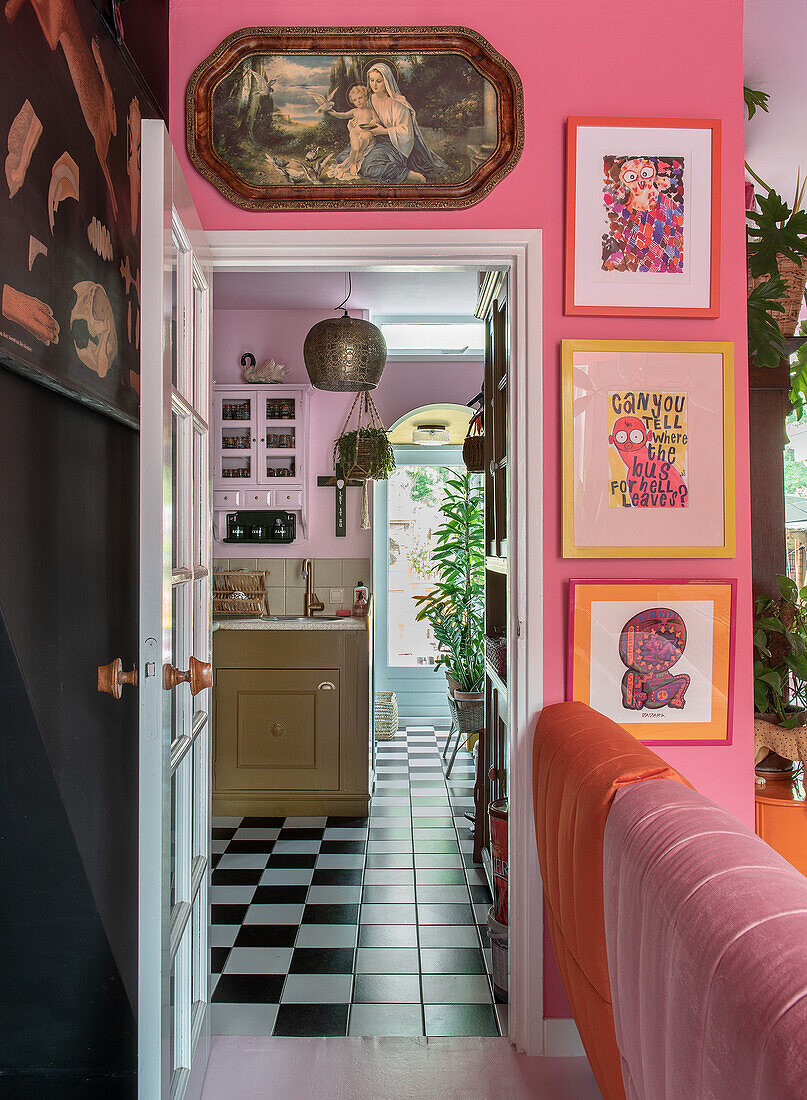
(345, 354)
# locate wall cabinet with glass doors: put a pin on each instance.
(260, 451)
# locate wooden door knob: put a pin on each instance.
(111, 678)
(199, 675)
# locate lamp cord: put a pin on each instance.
(347, 296)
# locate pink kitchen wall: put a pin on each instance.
(579, 57)
(279, 335)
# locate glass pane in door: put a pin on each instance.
(415, 495)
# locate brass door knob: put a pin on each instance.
(278, 729)
(111, 678)
(199, 675)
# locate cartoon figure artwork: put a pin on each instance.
(644, 207)
(650, 643)
(648, 450)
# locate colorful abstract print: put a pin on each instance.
(650, 643)
(644, 205)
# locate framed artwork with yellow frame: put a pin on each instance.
(648, 449)
(656, 657)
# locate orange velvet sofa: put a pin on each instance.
(580, 760)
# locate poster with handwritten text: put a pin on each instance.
(647, 449)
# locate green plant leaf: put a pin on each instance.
(774, 230)
(755, 100)
(761, 698)
(788, 589)
(766, 344)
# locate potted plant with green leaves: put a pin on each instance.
(364, 453)
(780, 675)
(455, 606)
(777, 267)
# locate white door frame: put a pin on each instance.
(520, 251)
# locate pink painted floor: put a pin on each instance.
(244, 1068)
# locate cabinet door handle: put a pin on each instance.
(278, 729)
(326, 685)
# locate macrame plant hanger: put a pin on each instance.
(362, 463)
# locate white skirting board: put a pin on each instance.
(562, 1039)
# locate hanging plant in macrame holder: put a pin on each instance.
(365, 452)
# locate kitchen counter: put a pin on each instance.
(290, 624)
(291, 717)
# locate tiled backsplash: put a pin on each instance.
(286, 584)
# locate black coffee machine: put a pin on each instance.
(256, 526)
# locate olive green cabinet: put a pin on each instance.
(291, 732)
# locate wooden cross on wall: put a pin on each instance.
(340, 485)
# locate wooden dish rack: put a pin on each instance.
(237, 592)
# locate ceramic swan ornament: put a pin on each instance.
(268, 371)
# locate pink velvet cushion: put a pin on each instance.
(706, 932)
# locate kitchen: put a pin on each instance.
(345, 898)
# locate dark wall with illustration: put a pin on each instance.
(68, 602)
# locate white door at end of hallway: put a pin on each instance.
(406, 516)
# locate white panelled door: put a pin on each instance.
(175, 626)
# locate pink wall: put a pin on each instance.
(580, 57)
(279, 334)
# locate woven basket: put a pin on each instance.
(386, 715)
(473, 449)
(239, 593)
(795, 276)
(469, 714)
(496, 653)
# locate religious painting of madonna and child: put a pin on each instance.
(656, 656)
(349, 119)
(639, 193)
(648, 449)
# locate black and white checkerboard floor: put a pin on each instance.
(326, 926)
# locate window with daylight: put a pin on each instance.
(433, 337)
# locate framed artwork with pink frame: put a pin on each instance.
(648, 449)
(643, 217)
(656, 657)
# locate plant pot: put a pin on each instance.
(470, 710)
(772, 732)
(795, 276)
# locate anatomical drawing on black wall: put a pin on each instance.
(70, 111)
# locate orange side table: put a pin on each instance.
(781, 817)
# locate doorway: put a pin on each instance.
(477, 250)
(406, 514)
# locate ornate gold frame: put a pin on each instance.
(355, 40)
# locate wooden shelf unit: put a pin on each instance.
(492, 762)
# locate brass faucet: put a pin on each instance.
(312, 601)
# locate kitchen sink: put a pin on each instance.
(304, 618)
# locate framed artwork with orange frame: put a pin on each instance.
(648, 449)
(643, 217)
(656, 657)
